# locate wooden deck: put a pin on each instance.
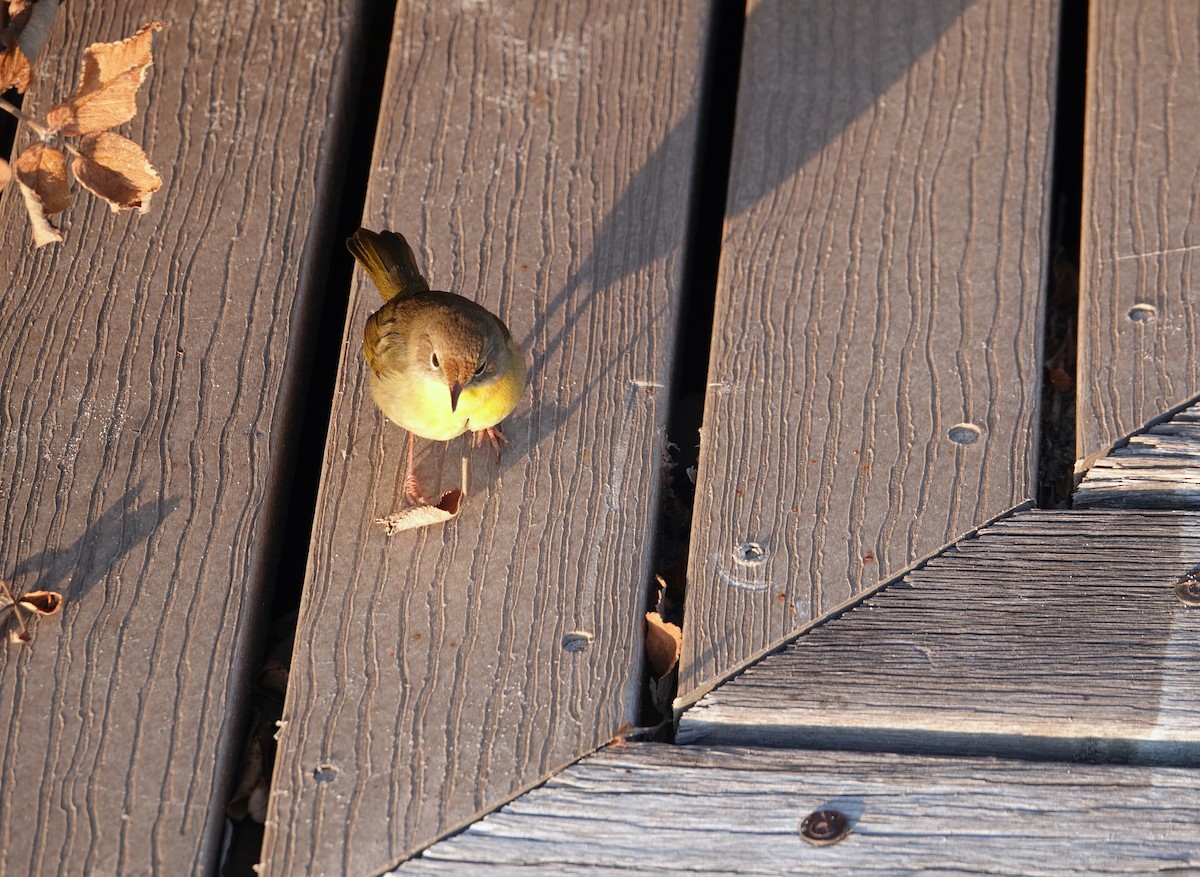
(877, 620)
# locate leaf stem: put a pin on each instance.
(38, 128)
(43, 133)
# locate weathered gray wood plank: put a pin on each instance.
(1055, 634)
(152, 368)
(538, 155)
(879, 284)
(1139, 334)
(1158, 468)
(655, 809)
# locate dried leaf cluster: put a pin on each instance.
(16, 612)
(105, 163)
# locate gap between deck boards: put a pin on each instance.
(1057, 440)
(362, 92)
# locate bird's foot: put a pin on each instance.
(493, 435)
(413, 491)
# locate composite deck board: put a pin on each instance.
(538, 155)
(1139, 334)
(1157, 468)
(657, 809)
(146, 408)
(880, 281)
(1049, 634)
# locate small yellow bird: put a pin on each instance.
(441, 365)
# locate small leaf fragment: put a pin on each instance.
(41, 603)
(44, 169)
(17, 8)
(664, 642)
(5, 173)
(13, 610)
(447, 507)
(116, 169)
(243, 802)
(662, 694)
(108, 85)
(44, 231)
(42, 174)
(15, 70)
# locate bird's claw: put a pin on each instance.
(493, 435)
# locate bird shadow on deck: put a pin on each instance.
(634, 234)
(76, 568)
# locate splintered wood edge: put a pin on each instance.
(1158, 466)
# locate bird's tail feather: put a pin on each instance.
(388, 259)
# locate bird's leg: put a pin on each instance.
(411, 488)
(493, 435)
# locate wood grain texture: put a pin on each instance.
(533, 167)
(1139, 333)
(1158, 468)
(1050, 634)
(145, 410)
(880, 283)
(656, 809)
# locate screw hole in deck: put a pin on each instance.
(1142, 312)
(964, 433)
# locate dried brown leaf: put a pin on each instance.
(116, 169)
(42, 174)
(251, 777)
(664, 641)
(44, 231)
(620, 738)
(274, 677)
(44, 170)
(13, 610)
(5, 173)
(15, 70)
(13, 15)
(108, 85)
(41, 603)
(446, 508)
(662, 695)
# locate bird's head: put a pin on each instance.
(461, 359)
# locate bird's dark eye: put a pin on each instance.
(434, 362)
(480, 370)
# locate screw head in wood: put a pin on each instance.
(577, 641)
(824, 827)
(750, 553)
(964, 433)
(1187, 589)
(1143, 313)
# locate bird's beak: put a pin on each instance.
(455, 389)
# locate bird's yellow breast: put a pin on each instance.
(420, 402)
